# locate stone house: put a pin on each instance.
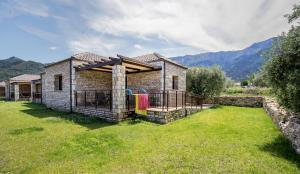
(21, 87)
(96, 85)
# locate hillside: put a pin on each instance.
(14, 66)
(237, 64)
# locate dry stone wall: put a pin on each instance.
(255, 101)
(287, 122)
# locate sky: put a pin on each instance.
(51, 30)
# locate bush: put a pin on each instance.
(283, 67)
(244, 83)
(206, 82)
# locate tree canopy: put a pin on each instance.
(206, 82)
(283, 67)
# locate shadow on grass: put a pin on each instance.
(40, 111)
(282, 148)
(25, 130)
(216, 106)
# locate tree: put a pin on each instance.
(283, 67)
(206, 82)
(259, 79)
(244, 83)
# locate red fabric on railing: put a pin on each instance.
(143, 101)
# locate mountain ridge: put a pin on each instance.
(14, 66)
(238, 64)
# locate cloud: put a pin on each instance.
(209, 25)
(49, 36)
(137, 46)
(171, 27)
(91, 44)
(53, 48)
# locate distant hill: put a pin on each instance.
(237, 64)
(14, 66)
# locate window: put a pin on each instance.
(175, 82)
(58, 82)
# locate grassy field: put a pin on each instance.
(34, 139)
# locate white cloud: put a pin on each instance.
(49, 36)
(210, 25)
(91, 44)
(53, 48)
(137, 46)
(32, 7)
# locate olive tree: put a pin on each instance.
(206, 82)
(283, 67)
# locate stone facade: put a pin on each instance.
(287, 122)
(173, 70)
(151, 81)
(164, 117)
(93, 80)
(52, 98)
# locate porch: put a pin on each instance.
(164, 106)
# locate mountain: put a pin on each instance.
(237, 64)
(14, 66)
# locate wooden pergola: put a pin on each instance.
(131, 65)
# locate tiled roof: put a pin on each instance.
(91, 57)
(155, 57)
(25, 78)
(147, 57)
(2, 84)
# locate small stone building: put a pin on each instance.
(87, 79)
(20, 87)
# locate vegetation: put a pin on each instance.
(14, 66)
(238, 91)
(34, 139)
(259, 79)
(206, 82)
(244, 83)
(283, 68)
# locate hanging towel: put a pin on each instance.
(143, 101)
(137, 110)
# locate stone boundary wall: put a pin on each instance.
(100, 113)
(164, 117)
(255, 101)
(287, 122)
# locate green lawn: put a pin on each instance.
(34, 139)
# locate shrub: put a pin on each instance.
(283, 67)
(206, 82)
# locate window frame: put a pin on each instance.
(58, 82)
(175, 82)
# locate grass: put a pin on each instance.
(34, 139)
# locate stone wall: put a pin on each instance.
(164, 117)
(93, 80)
(100, 113)
(55, 99)
(147, 80)
(287, 122)
(173, 70)
(255, 101)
